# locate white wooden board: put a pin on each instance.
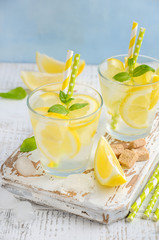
(80, 193)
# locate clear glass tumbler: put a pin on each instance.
(64, 144)
(130, 106)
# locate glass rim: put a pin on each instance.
(120, 83)
(59, 119)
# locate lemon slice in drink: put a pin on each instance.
(49, 98)
(107, 168)
(114, 66)
(155, 92)
(90, 108)
(51, 65)
(36, 79)
(134, 108)
(56, 139)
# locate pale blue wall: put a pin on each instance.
(94, 28)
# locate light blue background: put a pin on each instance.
(96, 29)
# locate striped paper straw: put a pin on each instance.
(132, 39)
(67, 72)
(138, 45)
(156, 214)
(73, 75)
(151, 203)
(131, 216)
(149, 187)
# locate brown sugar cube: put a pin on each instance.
(128, 158)
(117, 149)
(143, 154)
(137, 143)
(125, 144)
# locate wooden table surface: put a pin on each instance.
(53, 224)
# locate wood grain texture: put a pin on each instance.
(53, 224)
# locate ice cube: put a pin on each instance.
(24, 211)
(25, 167)
(7, 200)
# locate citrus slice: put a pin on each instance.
(143, 79)
(107, 168)
(155, 92)
(42, 110)
(49, 98)
(56, 141)
(90, 108)
(134, 107)
(51, 65)
(157, 71)
(36, 79)
(114, 66)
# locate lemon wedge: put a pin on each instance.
(107, 168)
(51, 65)
(134, 108)
(36, 79)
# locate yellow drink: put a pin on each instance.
(64, 141)
(130, 105)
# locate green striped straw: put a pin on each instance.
(148, 188)
(151, 203)
(156, 214)
(73, 75)
(132, 215)
(138, 45)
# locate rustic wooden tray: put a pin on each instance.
(80, 193)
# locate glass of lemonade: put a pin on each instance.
(64, 141)
(130, 105)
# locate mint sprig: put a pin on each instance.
(16, 93)
(138, 71)
(65, 108)
(77, 106)
(58, 108)
(28, 145)
(122, 77)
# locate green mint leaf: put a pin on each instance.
(63, 96)
(58, 108)
(122, 77)
(69, 100)
(77, 106)
(28, 145)
(16, 93)
(140, 70)
(130, 62)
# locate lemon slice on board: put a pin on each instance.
(134, 108)
(107, 168)
(36, 79)
(50, 65)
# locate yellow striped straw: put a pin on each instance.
(67, 72)
(132, 39)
